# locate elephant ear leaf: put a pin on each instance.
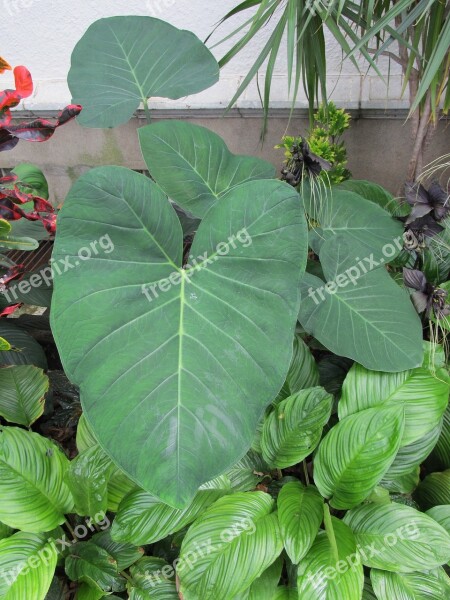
(194, 166)
(170, 354)
(122, 61)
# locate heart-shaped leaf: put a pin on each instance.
(34, 495)
(194, 166)
(238, 537)
(169, 356)
(293, 429)
(122, 61)
(300, 512)
(363, 316)
(27, 565)
(394, 537)
(355, 454)
(23, 390)
(423, 394)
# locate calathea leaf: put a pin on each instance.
(434, 490)
(410, 586)
(285, 593)
(27, 564)
(265, 586)
(247, 472)
(332, 568)
(143, 519)
(5, 531)
(122, 61)
(124, 554)
(85, 438)
(363, 316)
(440, 456)
(355, 454)
(152, 579)
(441, 514)
(423, 394)
(303, 372)
(401, 484)
(87, 478)
(376, 194)
(230, 546)
(34, 495)
(182, 384)
(93, 565)
(23, 390)
(294, 428)
(395, 537)
(194, 166)
(300, 512)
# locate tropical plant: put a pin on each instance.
(412, 33)
(229, 445)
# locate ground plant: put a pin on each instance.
(262, 368)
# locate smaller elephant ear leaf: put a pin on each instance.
(122, 61)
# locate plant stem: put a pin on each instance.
(330, 531)
(305, 471)
(148, 114)
(70, 528)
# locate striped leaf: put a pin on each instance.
(434, 490)
(331, 570)
(300, 512)
(399, 538)
(152, 579)
(90, 564)
(34, 495)
(410, 586)
(424, 396)
(125, 555)
(144, 519)
(23, 389)
(230, 546)
(440, 456)
(247, 473)
(265, 586)
(303, 372)
(356, 453)
(441, 514)
(294, 428)
(27, 566)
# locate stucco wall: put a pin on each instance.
(42, 33)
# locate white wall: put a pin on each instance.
(41, 34)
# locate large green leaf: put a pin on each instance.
(356, 453)
(247, 472)
(294, 428)
(87, 478)
(164, 376)
(423, 394)
(143, 519)
(89, 563)
(226, 549)
(194, 166)
(125, 555)
(370, 232)
(303, 372)
(122, 61)
(264, 588)
(394, 537)
(34, 495)
(152, 579)
(366, 317)
(410, 586)
(27, 566)
(23, 388)
(434, 490)
(377, 194)
(331, 570)
(300, 512)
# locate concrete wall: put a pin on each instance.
(42, 33)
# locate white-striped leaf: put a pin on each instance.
(34, 496)
(441, 514)
(265, 587)
(247, 473)
(303, 372)
(27, 566)
(144, 519)
(23, 388)
(328, 573)
(230, 546)
(300, 512)
(410, 586)
(152, 579)
(356, 453)
(434, 490)
(88, 563)
(424, 396)
(395, 537)
(294, 428)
